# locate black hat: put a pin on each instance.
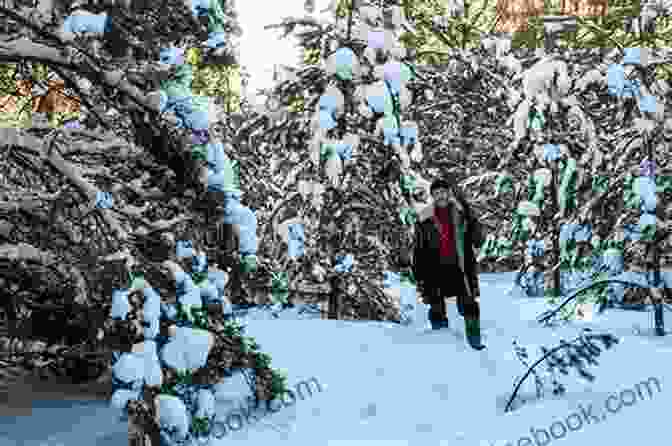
(443, 183)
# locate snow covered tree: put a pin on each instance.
(356, 165)
(540, 125)
(104, 220)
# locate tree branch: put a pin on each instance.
(23, 252)
(20, 49)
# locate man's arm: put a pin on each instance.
(477, 233)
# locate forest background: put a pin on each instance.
(474, 65)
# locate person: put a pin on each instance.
(443, 264)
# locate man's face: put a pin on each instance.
(442, 197)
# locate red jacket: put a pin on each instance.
(447, 233)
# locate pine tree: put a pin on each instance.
(361, 146)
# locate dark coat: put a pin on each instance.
(468, 233)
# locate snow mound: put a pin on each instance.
(173, 415)
(188, 349)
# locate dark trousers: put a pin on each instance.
(451, 283)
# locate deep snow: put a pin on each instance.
(385, 384)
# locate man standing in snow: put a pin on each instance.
(443, 261)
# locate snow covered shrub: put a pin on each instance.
(170, 364)
(562, 358)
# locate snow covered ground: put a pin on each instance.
(385, 384)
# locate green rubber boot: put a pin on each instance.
(472, 328)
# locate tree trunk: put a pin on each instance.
(657, 293)
(334, 300)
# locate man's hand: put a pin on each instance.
(426, 298)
